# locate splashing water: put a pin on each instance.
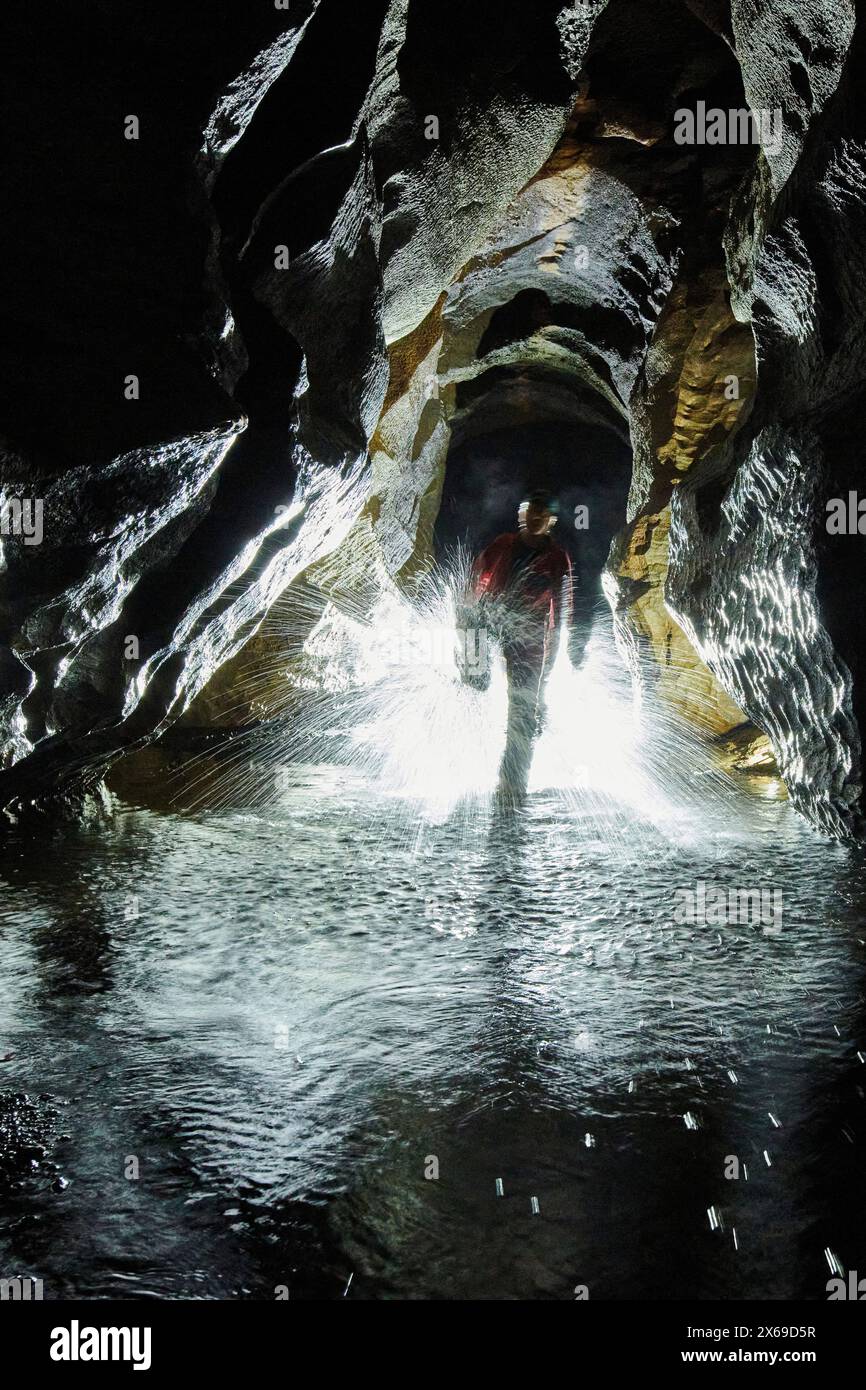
(380, 692)
(591, 739)
(416, 730)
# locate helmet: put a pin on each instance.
(542, 497)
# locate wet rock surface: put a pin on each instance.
(348, 238)
(766, 593)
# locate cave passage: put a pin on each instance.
(586, 469)
(305, 300)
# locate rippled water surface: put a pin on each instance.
(293, 1018)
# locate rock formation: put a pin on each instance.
(269, 270)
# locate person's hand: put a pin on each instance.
(472, 648)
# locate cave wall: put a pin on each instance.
(244, 457)
(347, 236)
(766, 594)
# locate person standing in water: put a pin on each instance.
(523, 584)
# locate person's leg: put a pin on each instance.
(524, 692)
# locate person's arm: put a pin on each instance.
(576, 627)
(485, 577)
(473, 621)
(565, 603)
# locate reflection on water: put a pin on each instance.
(283, 1017)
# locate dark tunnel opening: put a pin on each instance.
(586, 467)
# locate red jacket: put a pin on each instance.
(540, 580)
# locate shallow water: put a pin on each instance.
(310, 1006)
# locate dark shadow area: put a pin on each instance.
(646, 61)
(487, 477)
